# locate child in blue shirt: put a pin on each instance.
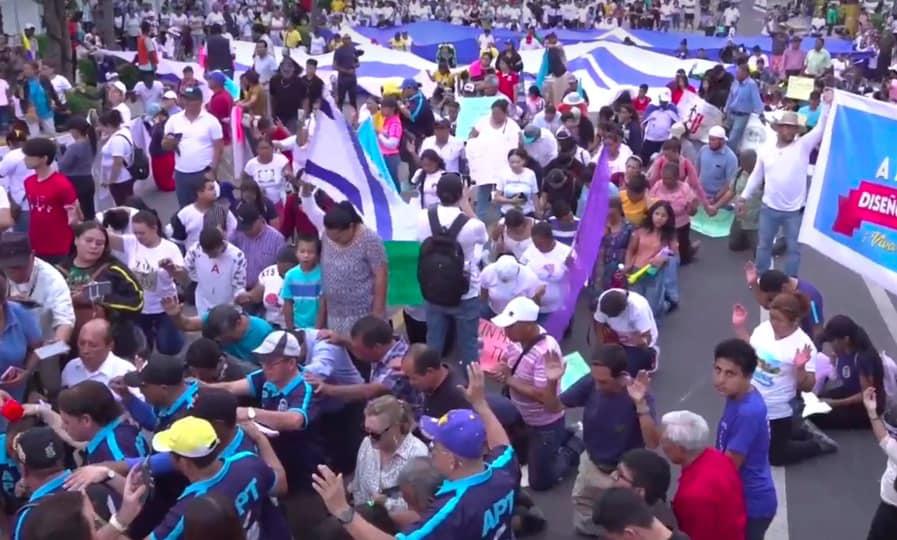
(301, 292)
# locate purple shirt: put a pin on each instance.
(260, 251)
(744, 429)
(245, 479)
(299, 451)
(610, 425)
(815, 316)
(116, 441)
(478, 506)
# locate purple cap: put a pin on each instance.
(217, 76)
(460, 431)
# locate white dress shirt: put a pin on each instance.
(112, 367)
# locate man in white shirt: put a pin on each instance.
(35, 281)
(449, 148)
(627, 317)
(263, 63)
(60, 84)
(471, 237)
(548, 259)
(782, 170)
(540, 144)
(97, 362)
(548, 118)
(196, 137)
(150, 90)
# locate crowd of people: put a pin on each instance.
(234, 369)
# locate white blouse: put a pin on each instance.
(372, 477)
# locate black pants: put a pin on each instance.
(342, 435)
(884, 523)
(847, 417)
(683, 236)
(84, 188)
(346, 85)
(786, 446)
(416, 330)
(649, 148)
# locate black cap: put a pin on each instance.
(161, 370)
(192, 93)
(15, 249)
(39, 448)
(247, 215)
(215, 404)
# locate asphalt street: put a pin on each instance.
(830, 498)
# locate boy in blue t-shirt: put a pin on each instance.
(301, 292)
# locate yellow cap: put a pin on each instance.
(189, 437)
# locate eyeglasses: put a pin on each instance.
(375, 437)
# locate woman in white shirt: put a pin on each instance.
(116, 153)
(784, 368)
(513, 235)
(269, 171)
(518, 188)
(152, 260)
(388, 446)
(432, 167)
(13, 173)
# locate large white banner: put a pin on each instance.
(851, 213)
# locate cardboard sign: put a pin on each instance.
(493, 344)
(799, 87)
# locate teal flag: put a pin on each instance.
(403, 288)
(367, 138)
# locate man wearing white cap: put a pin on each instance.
(550, 458)
(717, 164)
(782, 171)
(506, 279)
(658, 120)
(170, 103)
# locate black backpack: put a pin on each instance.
(139, 167)
(440, 268)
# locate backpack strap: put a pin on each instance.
(130, 143)
(435, 226)
(526, 351)
(457, 225)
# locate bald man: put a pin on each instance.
(97, 362)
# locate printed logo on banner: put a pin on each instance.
(858, 201)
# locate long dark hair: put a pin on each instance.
(151, 219)
(842, 326)
(252, 185)
(341, 216)
(668, 231)
(82, 126)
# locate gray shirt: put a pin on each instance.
(716, 169)
(77, 159)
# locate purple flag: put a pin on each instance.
(586, 245)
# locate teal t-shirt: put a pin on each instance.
(304, 290)
(256, 333)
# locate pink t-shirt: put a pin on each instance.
(392, 128)
(678, 198)
(531, 370)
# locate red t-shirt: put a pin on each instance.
(506, 83)
(709, 503)
(49, 228)
(640, 103)
(220, 106)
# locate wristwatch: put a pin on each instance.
(346, 516)
(250, 413)
(110, 475)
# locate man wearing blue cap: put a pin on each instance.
(476, 500)
(417, 116)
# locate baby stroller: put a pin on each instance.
(446, 53)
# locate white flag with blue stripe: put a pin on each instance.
(338, 165)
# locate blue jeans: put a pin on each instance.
(185, 185)
(161, 332)
(392, 163)
(737, 124)
(483, 204)
(671, 279)
(769, 224)
(24, 222)
(652, 288)
(546, 461)
(466, 317)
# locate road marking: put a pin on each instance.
(778, 530)
(885, 308)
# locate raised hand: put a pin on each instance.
(638, 387)
(750, 273)
(870, 400)
(554, 367)
(802, 356)
(739, 315)
(331, 489)
(476, 385)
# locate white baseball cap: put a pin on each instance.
(169, 94)
(520, 309)
(717, 132)
(279, 343)
(120, 86)
(507, 268)
(665, 95)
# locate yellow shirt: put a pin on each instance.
(635, 211)
(293, 39)
(337, 6)
(444, 79)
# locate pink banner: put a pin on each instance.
(870, 202)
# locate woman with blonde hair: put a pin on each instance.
(388, 446)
